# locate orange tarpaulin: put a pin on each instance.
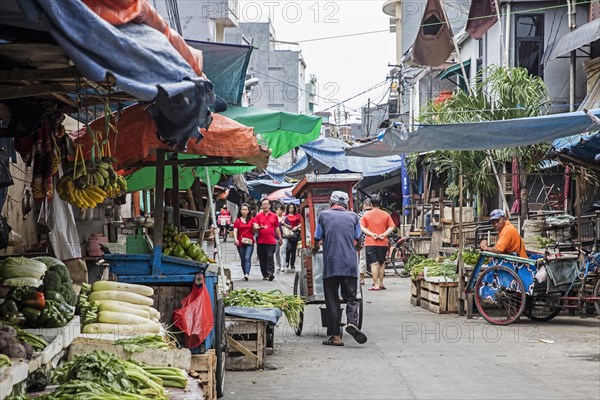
(119, 12)
(135, 138)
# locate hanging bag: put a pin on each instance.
(195, 317)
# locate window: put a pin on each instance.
(529, 42)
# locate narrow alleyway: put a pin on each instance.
(413, 353)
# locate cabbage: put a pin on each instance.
(22, 281)
(17, 267)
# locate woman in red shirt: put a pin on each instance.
(244, 237)
(292, 221)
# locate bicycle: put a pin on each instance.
(400, 250)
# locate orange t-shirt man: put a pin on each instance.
(509, 241)
(376, 221)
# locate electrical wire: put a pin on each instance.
(356, 95)
(438, 23)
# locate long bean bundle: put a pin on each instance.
(291, 305)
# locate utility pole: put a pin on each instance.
(571, 7)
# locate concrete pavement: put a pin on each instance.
(415, 354)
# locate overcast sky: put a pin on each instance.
(344, 66)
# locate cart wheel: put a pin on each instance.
(540, 308)
(400, 256)
(499, 295)
(220, 346)
(297, 292)
(596, 293)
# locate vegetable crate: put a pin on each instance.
(247, 340)
(205, 366)
(439, 297)
(415, 292)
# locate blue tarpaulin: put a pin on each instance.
(141, 60)
(479, 135)
(582, 149)
(270, 315)
(331, 153)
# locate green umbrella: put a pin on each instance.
(281, 131)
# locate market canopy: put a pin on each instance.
(132, 139)
(585, 34)
(103, 50)
(225, 65)
(331, 153)
(578, 149)
(478, 135)
(282, 131)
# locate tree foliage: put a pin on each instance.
(499, 93)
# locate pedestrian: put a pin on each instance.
(280, 249)
(292, 221)
(339, 228)
(244, 238)
(377, 225)
(266, 225)
(366, 206)
(509, 240)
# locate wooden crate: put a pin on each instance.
(247, 340)
(439, 297)
(167, 298)
(415, 292)
(205, 365)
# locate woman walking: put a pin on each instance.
(244, 238)
(280, 249)
(292, 221)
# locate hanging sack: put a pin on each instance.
(6, 179)
(195, 317)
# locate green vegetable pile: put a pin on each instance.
(413, 260)
(446, 270)
(419, 267)
(27, 306)
(138, 344)
(100, 375)
(290, 305)
(5, 361)
(470, 257)
(179, 245)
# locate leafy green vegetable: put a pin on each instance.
(290, 305)
(115, 375)
(140, 343)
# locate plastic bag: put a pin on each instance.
(541, 275)
(195, 317)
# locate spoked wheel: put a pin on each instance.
(297, 292)
(500, 295)
(541, 308)
(596, 293)
(400, 256)
(220, 346)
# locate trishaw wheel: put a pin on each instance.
(540, 309)
(220, 346)
(298, 328)
(596, 293)
(500, 295)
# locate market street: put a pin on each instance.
(413, 353)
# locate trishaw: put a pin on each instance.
(505, 286)
(314, 191)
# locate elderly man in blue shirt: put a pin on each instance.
(339, 229)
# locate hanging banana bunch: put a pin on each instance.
(92, 181)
